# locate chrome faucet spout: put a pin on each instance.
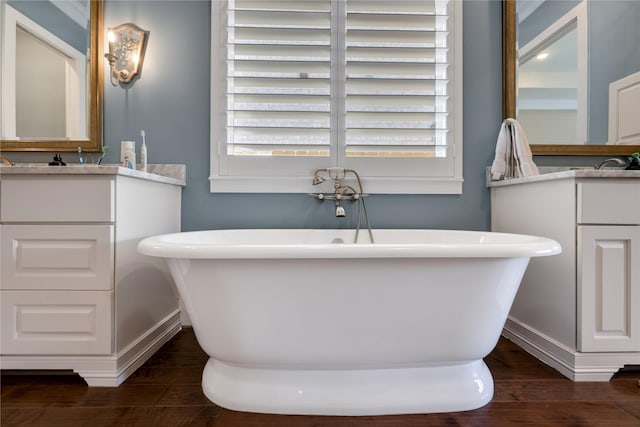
(616, 160)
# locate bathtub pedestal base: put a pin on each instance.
(428, 389)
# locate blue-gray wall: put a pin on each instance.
(544, 15)
(171, 103)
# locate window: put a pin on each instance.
(374, 86)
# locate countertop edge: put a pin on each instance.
(553, 173)
(174, 174)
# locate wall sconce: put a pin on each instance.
(127, 45)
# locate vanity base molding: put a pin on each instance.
(103, 371)
(574, 365)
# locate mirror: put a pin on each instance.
(580, 92)
(52, 78)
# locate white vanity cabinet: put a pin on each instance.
(579, 311)
(608, 266)
(74, 292)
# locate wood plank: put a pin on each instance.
(166, 391)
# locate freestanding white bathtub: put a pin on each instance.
(305, 322)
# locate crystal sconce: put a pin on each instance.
(127, 45)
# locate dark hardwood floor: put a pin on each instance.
(166, 392)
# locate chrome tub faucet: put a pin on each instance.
(343, 192)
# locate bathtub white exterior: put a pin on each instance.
(296, 324)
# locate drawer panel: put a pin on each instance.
(609, 202)
(57, 199)
(57, 257)
(56, 323)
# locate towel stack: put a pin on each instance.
(513, 155)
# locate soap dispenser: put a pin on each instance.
(57, 161)
(634, 162)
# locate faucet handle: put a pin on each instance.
(634, 162)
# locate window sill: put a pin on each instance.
(372, 185)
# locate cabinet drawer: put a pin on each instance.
(609, 203)
(56, 323)
(57, 199)
(57, 257)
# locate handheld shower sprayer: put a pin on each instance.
(317, 179)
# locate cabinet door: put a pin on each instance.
(608, 288)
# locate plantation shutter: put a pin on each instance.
(362, 84)
(396, 78)
(279, 77)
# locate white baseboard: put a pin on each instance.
(104, 371)
(576, 366)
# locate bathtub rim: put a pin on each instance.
(516, 246)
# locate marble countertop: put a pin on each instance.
(551, 173)
(166, 173)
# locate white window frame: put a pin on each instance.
(277, 175)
